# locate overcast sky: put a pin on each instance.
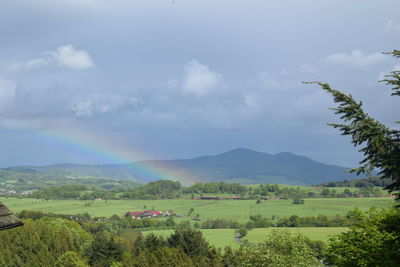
(182, 78)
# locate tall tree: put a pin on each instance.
(279, 249)
(372, 241)
(380, 144)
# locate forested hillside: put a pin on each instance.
(239, 165)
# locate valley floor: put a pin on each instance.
(237, 210)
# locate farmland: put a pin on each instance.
(238, 210)
(221, 238)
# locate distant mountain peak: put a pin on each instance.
(242, 150)
(239, 150)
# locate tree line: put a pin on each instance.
(56, 241)
(167, 189)
(60, 242)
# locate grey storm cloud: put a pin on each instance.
(188, 78)
(103, 103)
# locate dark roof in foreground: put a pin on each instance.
(8, 219)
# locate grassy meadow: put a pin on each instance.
(237, 210)
(314, 233)
(221, 238)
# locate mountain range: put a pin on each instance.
(239, 165)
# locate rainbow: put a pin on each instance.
(112, 151)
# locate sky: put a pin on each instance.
(95, 81)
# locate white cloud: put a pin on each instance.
(7, 93)
(199, 80)
(357, 59)
(102, 103)
(393, 25)
(65, 56)
(37, 63)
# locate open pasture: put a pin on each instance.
(237, 210)
(314, 233)
(221, 238)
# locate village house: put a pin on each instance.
(169, 213)
(9, 192)
(148, 214)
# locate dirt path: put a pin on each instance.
(237, 238)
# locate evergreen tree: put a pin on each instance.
(104, 250)
(381, 144)
(153, 242)
(70, 259)
(190, 241)
(139, 245)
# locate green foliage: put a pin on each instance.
(230, 258)
(242, 232)
(258, 221)
(373, 241)
(42, 242)
(26, 179)
(60, 192)
(317, 221)
(216, 188)
(155, 190)
(230, 210)
(103, 250)
(36, 215)
(365, 182)
(298, 200)
(279, 249)
(170, 221)
(219, 224)
(162, 256)
(70, 259)
(393, 78)
(190, 241)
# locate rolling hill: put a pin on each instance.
(239, 165)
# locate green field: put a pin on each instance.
(314, 233)
(221, 238)
(237, 210)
